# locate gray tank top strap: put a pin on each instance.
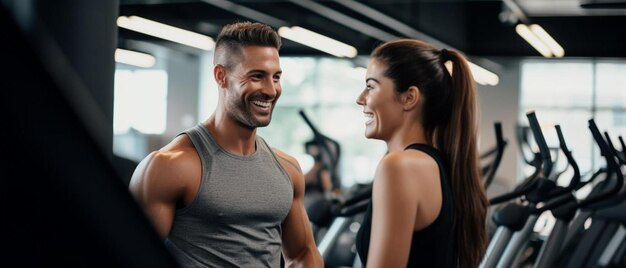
(201, 139)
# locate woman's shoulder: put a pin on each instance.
(412, 161)
(411, 168)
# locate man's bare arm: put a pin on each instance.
(159, 182)
(299, 247)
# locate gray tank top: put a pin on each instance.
(235, 219)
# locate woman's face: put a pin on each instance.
(382, 110)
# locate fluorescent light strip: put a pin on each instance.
(317, 41)
(134, 58)
(344, 20)
(557, 50)
(533, 40)
(166, 32)
(483, 76)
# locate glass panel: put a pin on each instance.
(339, 82)
(611, 85)
(139, 108)
(140, 101)
(611, 121)
(556, 84)
(298, 81)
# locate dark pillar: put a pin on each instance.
(85, 33)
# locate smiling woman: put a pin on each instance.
(428, 205)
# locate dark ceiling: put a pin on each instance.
(474, 27)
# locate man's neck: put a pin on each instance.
(231, 135)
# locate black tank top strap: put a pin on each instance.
(435, 154)
(430, 150)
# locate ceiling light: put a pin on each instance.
(540, 40)
(317, 41)
(483, 76)
(556, 49)
(166, 32)
(134, 58)
(603, 4)
(533, 40)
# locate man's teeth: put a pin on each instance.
(369, 118)
(262, 103)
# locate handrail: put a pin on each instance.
(623, 145)
(544, 151)
(612, 168)
(522, 140)
(570, 160)
(500, 146)
(620, 159)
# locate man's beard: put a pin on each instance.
(243, 114)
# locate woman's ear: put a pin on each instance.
(410, 98)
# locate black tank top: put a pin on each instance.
(432, 246)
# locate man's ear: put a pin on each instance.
(219, 73)
(410, 98)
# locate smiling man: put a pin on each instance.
(218, 194)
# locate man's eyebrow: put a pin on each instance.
(256, 71)
(261, 71)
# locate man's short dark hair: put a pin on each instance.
(237, 35)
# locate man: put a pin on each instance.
(217, 194)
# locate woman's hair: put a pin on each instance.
(449, 118)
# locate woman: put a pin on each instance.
(428, 206)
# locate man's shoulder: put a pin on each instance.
(281, 154)
(178, 157)
(289, 162)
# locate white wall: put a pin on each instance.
(501, 103)
(183, 83)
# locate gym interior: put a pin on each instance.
(87, 93)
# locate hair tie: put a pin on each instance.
(444, 55)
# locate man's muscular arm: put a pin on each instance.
(299, 247)
(160, 181)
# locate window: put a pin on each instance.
(139, 108)
(569, 93)
(140, 101)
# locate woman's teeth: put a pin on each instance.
(369, 118)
